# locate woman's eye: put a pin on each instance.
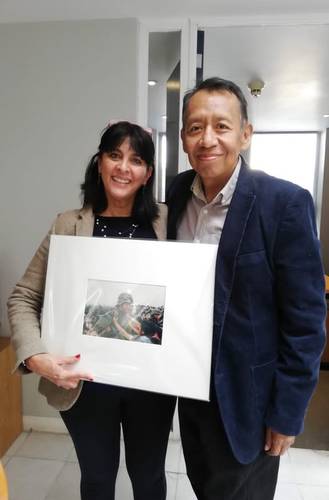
(113, 155)
(138, 161)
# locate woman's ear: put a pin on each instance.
(148, 174)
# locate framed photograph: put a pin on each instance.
(139, 312)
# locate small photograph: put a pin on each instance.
(124, 311)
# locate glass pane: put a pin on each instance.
(290, 156)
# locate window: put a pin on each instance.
(290, 156)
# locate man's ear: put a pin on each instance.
(246, 136)
(182, 136)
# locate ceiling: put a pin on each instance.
(44, 10)
(293, 61)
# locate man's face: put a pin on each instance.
(126, 307)
(213, 135)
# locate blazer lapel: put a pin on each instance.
(230, 242)
(85, 222)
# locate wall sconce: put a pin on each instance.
(256, 86)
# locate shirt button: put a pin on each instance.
(205, 211)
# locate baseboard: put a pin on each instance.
(56, 425)
(44, 424)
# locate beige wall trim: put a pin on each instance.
(44, 424)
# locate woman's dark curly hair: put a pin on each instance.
(92, 189)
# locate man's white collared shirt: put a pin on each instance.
(203, 222)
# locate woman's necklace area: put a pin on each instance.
(108, 232)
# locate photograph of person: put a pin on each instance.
(118, 202)
(115, 315)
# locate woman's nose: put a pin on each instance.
(123, 165)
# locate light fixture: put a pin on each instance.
(173, 85)
(326, 116)
(256, 86)
(151, 83)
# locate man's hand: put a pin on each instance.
(277, 444)
(56, 369)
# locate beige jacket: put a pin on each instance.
(25, 302)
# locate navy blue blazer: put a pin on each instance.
(269, 307)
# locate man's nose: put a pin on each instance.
(208, 138)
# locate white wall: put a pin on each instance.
(60, 84)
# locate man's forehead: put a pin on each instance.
(215, 103)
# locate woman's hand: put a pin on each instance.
(56, 369)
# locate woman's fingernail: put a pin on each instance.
(77, 356)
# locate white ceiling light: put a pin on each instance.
(151, 83)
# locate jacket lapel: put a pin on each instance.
(85, 222)
(230, 242)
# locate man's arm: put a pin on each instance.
(301, 311)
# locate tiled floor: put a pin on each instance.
(43, 466)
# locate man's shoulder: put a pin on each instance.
(184, 177)
(268, 186)
(272, 194)
(181, 182)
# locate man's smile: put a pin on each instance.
(208, 156)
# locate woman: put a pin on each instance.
(117, 202)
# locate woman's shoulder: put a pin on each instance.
(160, 223)
(65, 222)
(163, 210)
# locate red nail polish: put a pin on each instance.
(77, 356)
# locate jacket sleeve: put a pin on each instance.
(25, 305)
(302, 311)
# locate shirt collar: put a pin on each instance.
(224, 196)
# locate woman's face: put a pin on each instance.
(123, 172)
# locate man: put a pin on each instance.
(269, 306)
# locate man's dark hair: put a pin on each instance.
(216, 84)
(92, 189)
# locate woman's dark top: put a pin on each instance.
(121, 227)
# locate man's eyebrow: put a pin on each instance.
(197, 118)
